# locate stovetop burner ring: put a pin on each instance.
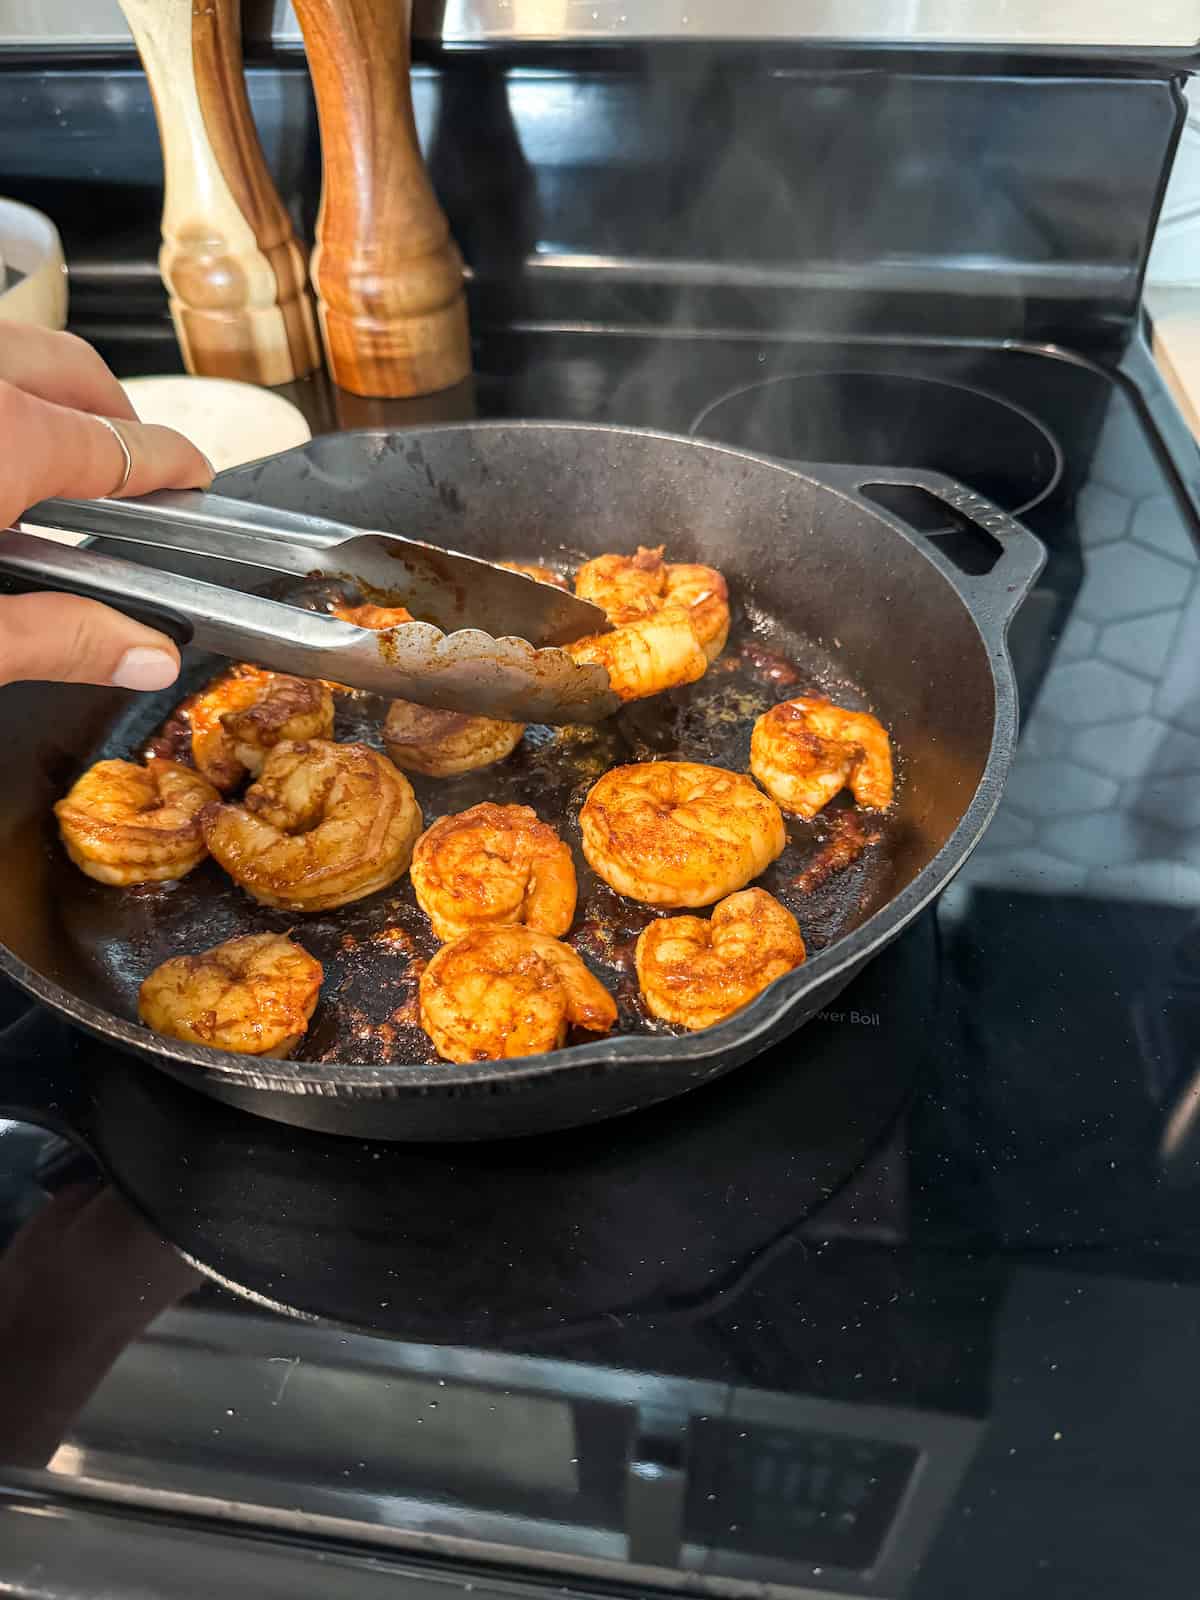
(892, 419)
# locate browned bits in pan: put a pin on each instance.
(847, 835)
(769, 666)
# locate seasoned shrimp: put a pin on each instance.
(695, 973)
(292, 708)
(533, 569)
(804, 751)
(441, 744)
(676, 833)
(491, 865)
(669, 621)
(646, 656)
(630, 587)
(125, 824)
(624, 586)
(501, 992)
(325, 824)
(702, 592)
(255, 995)
(239, 716)
(372, 616)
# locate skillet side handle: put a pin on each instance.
(996, 595)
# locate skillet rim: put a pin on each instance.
(764, 1016)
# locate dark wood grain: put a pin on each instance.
(388, 275)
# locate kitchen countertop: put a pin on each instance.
(1174, 314)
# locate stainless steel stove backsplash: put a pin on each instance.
(1156, 23)
(732, 185)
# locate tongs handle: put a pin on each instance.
(225, 621)
(201, 524)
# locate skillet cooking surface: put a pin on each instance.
(374, 950)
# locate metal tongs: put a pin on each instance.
(487, 642)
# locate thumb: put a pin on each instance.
(63, 638)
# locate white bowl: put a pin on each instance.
(30, 245)
(231, 422)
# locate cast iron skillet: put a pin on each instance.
(829, 592)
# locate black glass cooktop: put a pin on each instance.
(907, 1306)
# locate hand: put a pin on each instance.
(53, 387)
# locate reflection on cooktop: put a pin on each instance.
(653, 1210)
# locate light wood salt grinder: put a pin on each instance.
(388, 275)
(233, 269)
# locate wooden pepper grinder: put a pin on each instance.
(388, 275)
(233, 269)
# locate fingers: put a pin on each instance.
(63, 638)
(53, 388)
(61, 368)
(51, 449)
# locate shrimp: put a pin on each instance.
(255, 995)
(669, 621)
(625, 586)
(125, 824)
(631, 587)
(695, 973)
(804, 751)
(442, 744)
(241, 714)
(501, 992)
(646, 656)
(704, 595)
(324, 825)
(533, 569)
(492, 865)
(372, 616)
(676, 833)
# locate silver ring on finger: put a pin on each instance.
(127, 473)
